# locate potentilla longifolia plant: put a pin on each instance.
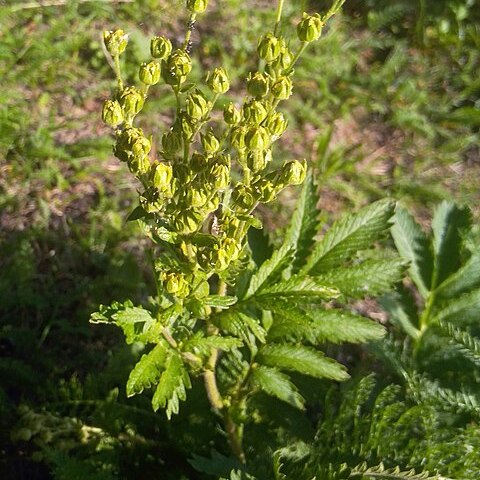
(218, 314)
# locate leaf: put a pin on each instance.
(220, 301)
(258, 240)
(447, 225)
(269, 269)
(396, 473)
(147, 371)
(301, 359)
(349, 235)
(304, 224)
(413, 245)
(172, 386)
(316, 325)
(468, 345)
(136, 322)
(241, 325)
(297, 288)
(371, 277)
(137, 213)
(399, 314)
(206, 344)
(217, 465)
(464, 309)
(277, 384)
(462, 281)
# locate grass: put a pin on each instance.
(383, 106)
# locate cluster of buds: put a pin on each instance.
(189, 194)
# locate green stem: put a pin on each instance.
(118, 72)
(279, 16)
(296, 57)
(188, 34)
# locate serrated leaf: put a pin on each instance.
(172, 386)
(462, 281)
(399, 316)
(447, 225)
(241, 325)
(277, 384)
(269, 269)
(220, 301)
(371, 277)
(396, 473)
(206, 344)
(348, 236)
(464, 309)
(295, 288)
(466, 344)
(304, 224)
(413, 245)
(301, 359)
(147, 371)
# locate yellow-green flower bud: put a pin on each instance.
(176, 67)
(243, 197)
(187, 221)
(282, 88)
(211, 205)
(149, 73)
(139, 165)
(131, 101)
(257, 160)
(276, 124)
(175, 284)
(210, 142)
(160, 47)
(221, 260)
(162, 176)
(258, 84)
(293, 173)
(198, 162)
(115, 41)
(112, 113)
(232, 247)
(189, 251)
(257, 138)
(310, 27)
(231, 115)
(197, 6)
(238, 138)
(269, 47)
(171, 142)
(197, 106)
(219, 175)
(196, 198)
(266, 190)
(131, 143)
(218, 81)
(141, 146)
(254, 112)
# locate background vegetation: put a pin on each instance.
(387, 104)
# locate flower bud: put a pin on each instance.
(211, 205)
(197, 6)
(221, 259)
(131, 101)
(162, 176)
(293, 173)
(160, 47)
(266, 190)
(131, 143)
(310, 28)
(198, 162)
(269, 47)
(257, 160)
(285, 59)
(149, 73)
(254, 112)
(139, 165)
(243, 197)
(171, 142)
(176, 67)
(185, 126)
(112, 113)
(175, 284)
(210, 142)
(196, 198)
(276, 124)
(282, 88)
(258, 84)
(115, 41)
(257, 138)
(197, 106)
(238, 138)
(219, 175)
(187, 221)
(231, 115)
(218, 81)
(232, 247)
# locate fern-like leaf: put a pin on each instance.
(147, 371)
(464, 309)
(462, 281)
(172, 386)
(371, 277)
(350, 235)
(396, 473)
(467, 345)
(277, 384)
(413, 245)
(241, 325)
(303, 360)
